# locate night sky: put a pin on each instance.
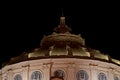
(23, 26)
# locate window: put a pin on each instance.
(36, 76)
(82, 75)
(59, 73)
(102, 76)
(18, 77)
(116, 78)
(5, 79)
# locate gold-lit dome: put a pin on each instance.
(62, 43)
(61, 56)
(62, 36)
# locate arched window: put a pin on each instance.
(6, 78)
(36, 75)
(116, 78)
(82, 75)
(18, 77)
(102, 76)
(59, 73)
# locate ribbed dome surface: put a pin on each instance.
(62, 39)
(62, 43)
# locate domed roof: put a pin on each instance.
(63, 44)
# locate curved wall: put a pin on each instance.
(70, 68)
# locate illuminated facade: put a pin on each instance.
(62, 56)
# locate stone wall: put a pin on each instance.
(70, 67)
(0, 75)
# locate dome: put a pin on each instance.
(61, 43)
(61, 56)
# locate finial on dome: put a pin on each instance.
(62, 12)
(62, 27)
(62, 19)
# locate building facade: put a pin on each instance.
(61, 56)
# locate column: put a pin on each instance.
(10, 74)
(25, 71)
(71, 71)
(110, 75)
(47, 70)
(0, 75)
(93, 72)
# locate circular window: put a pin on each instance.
(102, 76)
(59, 73)
(116, 78)
(82, 75)
(18, 77)
(36, 75)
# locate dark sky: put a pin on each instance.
(24, 25)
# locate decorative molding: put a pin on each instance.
(91, 64)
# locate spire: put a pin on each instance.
(62, 19)
(62, 12)
(62, 27)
